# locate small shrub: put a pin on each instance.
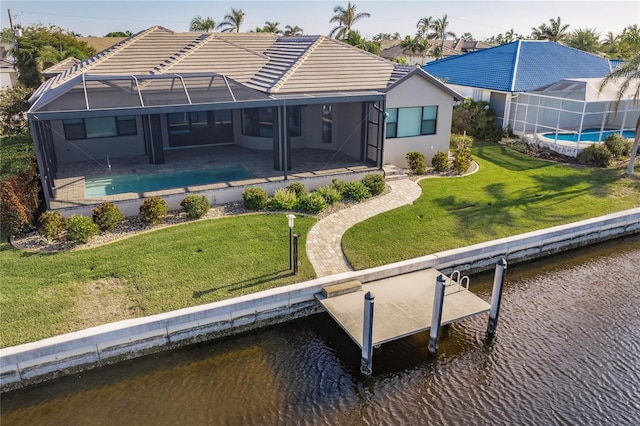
(255, 198)
(284, 199)
(618, 146)
(14, 219)
(297, 188)
(339, 185)
(440, 161)
(460, 141)
(330, 194)
(195, 206)
(416, 162)
(312, 203)
(375, 183)
(356, 191)
(52, 225)
(153, 210)
(81, 228)
(596, 154)
(461, 159)
(107, 216)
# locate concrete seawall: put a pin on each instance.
(69, 353)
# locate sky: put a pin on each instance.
(480, 18)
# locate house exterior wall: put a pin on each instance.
(415, 92)
(96, 148)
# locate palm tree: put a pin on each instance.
(346, 18)
(414, 46)
(554, 32)
(440, 27)
(271, 27)
(232, 21)
(586, 39)
(425, 25)
(198, 23)
(466, 36)
(293, 31)
(629, 73)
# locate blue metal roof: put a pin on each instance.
(518, 66)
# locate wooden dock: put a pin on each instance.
(403, 306)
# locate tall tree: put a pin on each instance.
(629, 42)
(415, 47)
(119, 34)
(271, 27)
(293, 31)
(232, 21)
(345, 18)
(200, 24)
(555, 31)
(586, 39)
(424, 26)
(627, 75)
(440, 26)
(40, 47)
(467, 36)
(355, 39)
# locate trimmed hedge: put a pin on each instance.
(153, 210)
(416, 162)
(440, 161)
(107, 216)
(375, 183)
(255, 198)
(195, 206)
(52, 225)
(81, 228)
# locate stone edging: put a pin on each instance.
(66, 354)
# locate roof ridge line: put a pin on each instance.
(278, 84)
(515, 67)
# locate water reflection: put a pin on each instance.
(567, 351)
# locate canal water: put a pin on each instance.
(567, 352)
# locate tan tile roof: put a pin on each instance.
(261, 61)
(101, 43)
(60, 67)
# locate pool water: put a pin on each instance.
(121, 184)
(589, 135)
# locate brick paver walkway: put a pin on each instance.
(324, 240)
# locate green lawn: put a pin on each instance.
(511, 194)
(42, 295)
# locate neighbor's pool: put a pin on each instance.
(120, 184)
(588, 135)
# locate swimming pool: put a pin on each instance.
(588, 135)
(121, 184)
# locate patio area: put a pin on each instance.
(307, 163)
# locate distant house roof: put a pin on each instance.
(519, 66)
(392, 48)
(261, 61)
(101, 43)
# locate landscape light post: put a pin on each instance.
(291, 219)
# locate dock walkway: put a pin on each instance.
(403, 306)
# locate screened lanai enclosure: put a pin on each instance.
(102, 135)
(569, 115)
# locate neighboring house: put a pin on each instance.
(498, 74)
(570, 114)
(304, 107)
(392, 50)
(8, 74)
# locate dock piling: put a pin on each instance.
(436, 317)
(496, 296)
(366, 362)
